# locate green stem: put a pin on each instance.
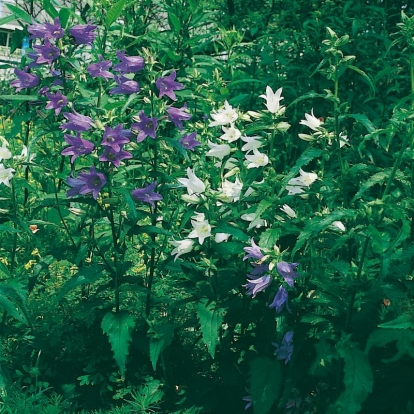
(14, 248)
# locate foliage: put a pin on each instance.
(206, 206)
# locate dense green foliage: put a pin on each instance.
(102, 310)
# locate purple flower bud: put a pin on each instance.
(253, 252)
(129, 64)
(77, 122)
(177, 115)
(100, 69)
(125, 86)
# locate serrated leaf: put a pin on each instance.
(210, 321)
(19, 13)
(265, 383)
(357, 379)
(383, 337)
(269, 238)
(378, 178)
(161, 338)
(118, 327)
(86, 275)
(114, 12)
(405, 321)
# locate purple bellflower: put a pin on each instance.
(147, 127)
(258, 270)
(129, 64)
(167, 85)
(78, 146)
(56, 102)
(46, 53)
(280, 300)
(77, 122)
(86, 183)
(189, 142)
(111, 155)
(254, 286)
(116, 137)
(177, 115)
(125, 86)
(24, 80)
(100, 69)
(146, 194)
(46, 30)
(83, 33)
(288, 271)
(253, 252)
(285, 350)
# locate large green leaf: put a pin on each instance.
(161, 337)
(357, 379)
(118, 327)
(269, 238)
(383, 337)
(404, 321)
(19, 13)
(265, 383)
(210, 321)
(86, 275)
(114, 12)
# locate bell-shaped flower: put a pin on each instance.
(280, 300)
(252, 143)
(253, 252)
(221, 237)
(255, 222)
(284, 351)
(288, 210)
(288, 272)
(201, 230)
(296, 185)
(231, 133)
(5, 154)
(273, 99)
(218, 150)
(6, 174)
(231, 191)
(224, 116)
(257, 159)
(181, 247)
(193, 183)
(311, 121)
(338, 225)
(254, 286)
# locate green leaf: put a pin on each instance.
(363, 119)
(114, 12)
(148, 230)
(357, 379)
(50, 9)
(228, 248)
(210, 321)
(19, 13)
(364, 76)
(265, 383)
(86, 275)
(401, 322)
(7, 19)
(174, 22)
(378, 178)
(383, 337)
(261, 208)
(19, 98)
(118, 327)
(161, 337)
(224, 227)
(269, 238)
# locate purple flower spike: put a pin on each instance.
(77, 122)
(189, 142)
(111, 155)
(83, 33)
(167, 85)
(125, 86)
(253, 252)
(24, 80)
(288, 271)
(129, 64)
(100, 69)
(257, 285)
(46, 30)
(78, 146)
(280, 300)
(285, 350)
(115, 137)
(147, 127)
(146, 194)
(57, 102)
(177, 115)
(92, 182)
(46, 53)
